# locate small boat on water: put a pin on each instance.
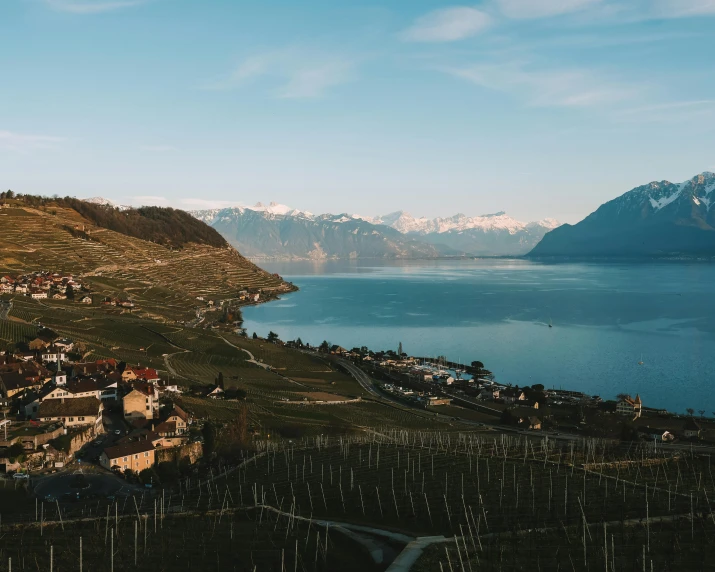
(641, 361)
(551, 324)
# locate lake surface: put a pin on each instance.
(605, 317)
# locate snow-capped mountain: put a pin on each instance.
(406, 223)
(278, 231)
(657, 219)
(105, 202)
(271, 230)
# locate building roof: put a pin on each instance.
(180, 413)
(13, 380)
(86, 384)
(81, 406)
(127, 449)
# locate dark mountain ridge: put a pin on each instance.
(660, 219)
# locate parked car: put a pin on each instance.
(19, 476)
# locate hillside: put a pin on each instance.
(654, 220)
(275, 232)
(192, 262)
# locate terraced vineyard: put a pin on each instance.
(163, 282)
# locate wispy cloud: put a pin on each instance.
(447, 25)
(24, 142)
(671, 112)
(546, 87)
(543, 8)
(683, 8)
(92, 6)
(299, 73)
(157, 148)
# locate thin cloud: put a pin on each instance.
(670, 112)
(298, 73)
(12, 141)
(684, 8)
(92, 6)
(526, 9)
(447, 25)
(545, 88)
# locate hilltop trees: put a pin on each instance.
(165, 226)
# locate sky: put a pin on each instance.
(540, 108)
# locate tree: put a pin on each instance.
(219, 379)
(168, 472)
(702, 413)
(69, 292)
(622, 396)
(149, 476)
(16, 453)
(299, 343)
(690, 411)
(479, 366)
(9, 194)
(209, 434)
(325, 346)
(272, 337)
(255, 336)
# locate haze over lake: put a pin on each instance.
(605, 317)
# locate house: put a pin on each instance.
(533, 423)
(85, 300)
(40, 343)
(142, 402)
(214, 392)
(79, 412)
(691, 429)
(59, 296)
(38, 295)
(53, 355)
(13, 383)
(64, 344)
(135, 456)
(629, 406)
(489, 393)
(180, 418)
(142, 373)
(512, 395)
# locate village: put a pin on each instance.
(56, 408)
(439, 386)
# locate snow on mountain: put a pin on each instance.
(105, 202)
(100, 201)
(500, 221)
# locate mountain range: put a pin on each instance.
(279, 231)
(659, 219)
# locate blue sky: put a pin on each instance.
(542, 108)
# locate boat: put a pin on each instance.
(551, 325)
(641, 361)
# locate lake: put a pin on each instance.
(606, 318)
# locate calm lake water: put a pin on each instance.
(605, 317)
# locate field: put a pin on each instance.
(490, 502)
